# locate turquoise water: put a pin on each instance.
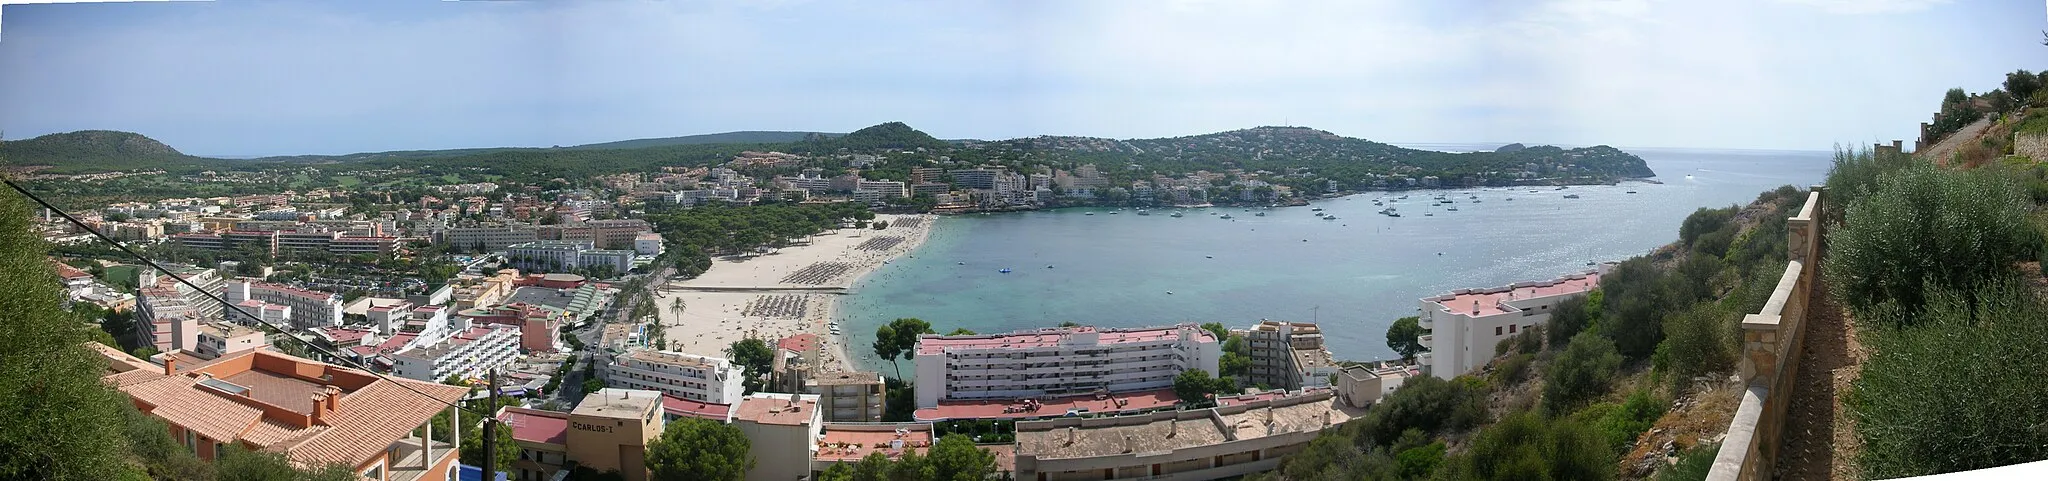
(1354, 275)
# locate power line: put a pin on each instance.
(224, 302)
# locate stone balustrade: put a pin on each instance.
(1771, 341)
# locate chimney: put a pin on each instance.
(319, 409)
(1326, 419)
(1128, 445)
(1172, 429)
(1072, 433)
(333, 396)
(170, 365)
(1898, 144)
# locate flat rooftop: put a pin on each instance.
(1053, 337)
(1013, 409)
(618, 403)
(675, 406)
(851, 444)
(1156, 436)
(542, 296)
(675, 358)
(1488, 302)
(778, 409)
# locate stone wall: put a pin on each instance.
(2032, 145)
(1770, 354)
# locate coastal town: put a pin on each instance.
(582, 307)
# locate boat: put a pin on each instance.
(1330, 218)
(1090, 213)
(1048, 266)
(1631, 192)
(1225, 216)
(1378, 203)
(1115, 213)
(1176, 214)
(1571, 196)
(1429, 214)
(1393, 214)
(959, 263)
(1511, 199)
(1318, 209)
(1004, 270)
(1259, 214)
(1452, 208)
(1143, 212)
(1473, 197)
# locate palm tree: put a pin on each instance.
(677, 305)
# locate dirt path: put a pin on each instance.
(1819, 440)
(1941, 151)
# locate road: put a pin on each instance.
(1941, 151)
(592, 337)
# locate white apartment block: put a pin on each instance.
(309, 308)
(469, 354)
(688, 376)
(1460, 329)
(1059, 362)
(220, 339)
(485, 239)
(165, 320)
(560, 256)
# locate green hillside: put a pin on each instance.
(740, 137)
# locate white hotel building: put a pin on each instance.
(1059, 362)
(309, 308)
(469, 354)
(1460, 329)
(688, 376)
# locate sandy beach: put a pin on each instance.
(787, 292)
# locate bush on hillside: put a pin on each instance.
(1511, 370)
(1927, 228)
(1636, 299)
(1526, 446)
(1855, 173)
(1426, 404)
(1693, 464)
(1703, 221)
(1581, 373)
(1568, 319)
(1958, 387)
(1698, 342)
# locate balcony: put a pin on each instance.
(1427, 340)
(1426, 323)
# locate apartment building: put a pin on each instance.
(313, 413)
(209, 281)
(1059, 362)
(306, 239)
(783, 432)
(610, 429)
(539, 326)
(601, 234)
(849, 397)
(975, 178)
(1359, 386)
(557, 256)
(1460, 329)
(309, 308)
(218, 339)
(165, 320)
(888, 188)
(688, 376)
(469, 354)
(1288, 355)
(485, 239)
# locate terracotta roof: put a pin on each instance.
(368, 420)
(536, 426)
(676, 406)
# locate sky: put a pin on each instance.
(240, 78)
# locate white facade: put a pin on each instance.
(309, 308)
(1461, 329)
(688, 376)
(1059, 361)
(470, 354)
(558, 256)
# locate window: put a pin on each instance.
(1511, 329)
(1496, 330)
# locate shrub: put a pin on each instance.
(1512, 370)
(1925, 227)
(1959, 388)
(1427, 404)
(1621, 426)
(1857, 172)
(1579, 374)
(1703, 221)
(1568, 319)
(1526, 446)
(1697, 342)
(1636, 300)
(1693, 464)
(1419, 463)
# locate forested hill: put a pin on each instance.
(99, 149)
(1301, 156)
(741, 137)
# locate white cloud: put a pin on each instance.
(1868, 7)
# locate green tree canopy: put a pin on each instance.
(1195, 385)
(1404, 337)
(507, 448)
(1582, 372)
(54, 411)
(692, 449)
(898, 339)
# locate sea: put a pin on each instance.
(1354, 275)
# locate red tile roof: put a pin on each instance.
(676, 406)
(994, 409)
(799, 342)
(536, 426)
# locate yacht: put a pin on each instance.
(1631, 192)
(1330, 218)
(1143, 212)
(1225, 216)
(1259, 214)
(1452, 208)
(1114, 213)
(1571, 196)
(1090, 213)
(1318, 209)
(1176, 214)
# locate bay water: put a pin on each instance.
(1354, 274)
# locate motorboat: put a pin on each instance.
(1571, 196)
(1004, 270)
(1143, 212)
(1259, 214)
(1225, 216)
(1175, 214)
(1318, 209)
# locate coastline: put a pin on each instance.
(786, 292)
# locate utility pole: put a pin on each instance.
(490, 436)
(1316, 314)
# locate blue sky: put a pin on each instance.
(261, 78)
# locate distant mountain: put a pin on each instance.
(1511, 147)
(890, 135)
(740, 137)
(93, 150)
